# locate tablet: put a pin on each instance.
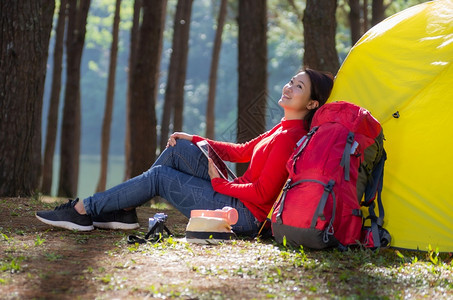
(220, 165)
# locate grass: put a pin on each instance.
(284, 272)
(38, 262)
(276, 271)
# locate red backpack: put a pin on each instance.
(339, 161)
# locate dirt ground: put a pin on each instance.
(52, 263)
(56, 263)
(41, 262)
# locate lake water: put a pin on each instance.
(89, 173)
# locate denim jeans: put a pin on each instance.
(180, 175)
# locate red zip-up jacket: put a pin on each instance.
(268, 153)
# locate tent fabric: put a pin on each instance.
(401, 71)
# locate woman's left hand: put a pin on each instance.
(212, 171)
(178, 135)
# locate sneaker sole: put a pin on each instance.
(116, 225)
(66, 225)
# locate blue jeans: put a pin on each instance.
(180, 175)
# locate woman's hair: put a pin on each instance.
(321, 86)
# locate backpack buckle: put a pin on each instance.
(350, 138)
(329, 186)
(287, 185)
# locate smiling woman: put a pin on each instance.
(296, 98)
(304, 93)
(184, 177)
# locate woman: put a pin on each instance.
(187, 180)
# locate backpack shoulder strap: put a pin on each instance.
(301, 144)
(346, 158)
(375, 191)
(374, 187)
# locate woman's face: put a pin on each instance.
(296, 94)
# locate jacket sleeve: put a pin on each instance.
(265, 189)
(233, 152)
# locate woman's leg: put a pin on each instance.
(184, 157)
(180, 175)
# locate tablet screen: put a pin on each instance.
(220, 165)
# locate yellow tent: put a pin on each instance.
(401, 71)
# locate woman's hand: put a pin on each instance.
(178, 135)
(212, 171)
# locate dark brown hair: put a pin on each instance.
(321, 86)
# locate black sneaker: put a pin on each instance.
(65, 216)
(121, 219)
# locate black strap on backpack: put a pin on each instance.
(281, 201)
(375, 190)
(302, 143)
(328, 189)
(346, 158)
(154, 235)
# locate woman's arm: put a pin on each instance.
(227, 151)
(272, 176)
(235, 152)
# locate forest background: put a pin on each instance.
(285, 55)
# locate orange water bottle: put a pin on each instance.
(227, 213)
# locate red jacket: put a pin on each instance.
(268, 153)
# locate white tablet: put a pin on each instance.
(220, 165)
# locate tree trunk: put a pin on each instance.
(174, 92)
(132, 61)
(54, 103)
(365, 16)
(252, 85)
(319, 35)
(70, 131)
(183, 50)
(24, 43)
(105, 145)
(144, 86)
(354, 20)
(378, 12)
(210, 108)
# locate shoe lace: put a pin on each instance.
(67, 205)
